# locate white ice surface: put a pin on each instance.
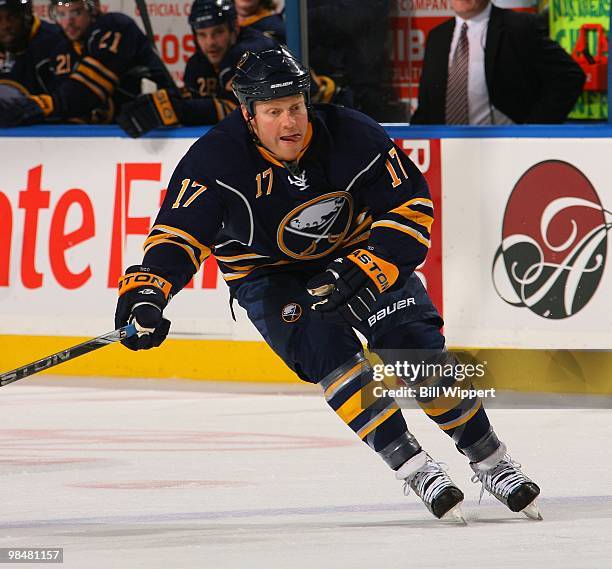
(126, 474)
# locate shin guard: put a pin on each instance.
(351, 392)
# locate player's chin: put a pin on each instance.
(288, 154)
(10, 41)
(214, 57)
(288, 149)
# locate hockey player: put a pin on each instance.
(261, 15)
(25, 65)
(208, 74)
(98, 69)
(317, 220)
(220, 44)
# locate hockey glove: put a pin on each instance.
(143, 295)
(148, 112)
(351, 285)
(21, 111)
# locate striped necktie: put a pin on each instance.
(457, 85)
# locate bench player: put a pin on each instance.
(208, 95)
(262, 15)
(220, 42)
(97, 68)
(25, 63)
(318, 220)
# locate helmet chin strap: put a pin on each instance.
(292, 167)
(254, 136)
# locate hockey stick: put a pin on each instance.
(68, 354)
(146, 22)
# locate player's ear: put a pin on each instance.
(245, 113)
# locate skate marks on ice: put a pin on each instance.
(410, 514)
(84, 468)
(363, 515)
(553, 509)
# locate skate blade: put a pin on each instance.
(455, 514)
(532, 512)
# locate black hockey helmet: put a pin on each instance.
(270, 74)
(207, 13)
(17, 5)
(23, 7)
(92, 6)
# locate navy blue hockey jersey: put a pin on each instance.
(268, 23)
(353, 188)
(29, 71)
(104, 70)
(212, 97)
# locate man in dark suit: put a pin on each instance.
(489, 65)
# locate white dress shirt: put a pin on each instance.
(481, 111)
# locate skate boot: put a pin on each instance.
(502, 477)
(430, 482)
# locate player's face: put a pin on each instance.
(73, 18)
(281, 125)
(12, 30)
(246, 8)
(467, 9)
(215, 41)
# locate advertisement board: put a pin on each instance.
(75, 215)
(519, 257)
(526, 241)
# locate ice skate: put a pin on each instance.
(503, 478)
(430, 482)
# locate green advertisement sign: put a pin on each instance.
(566, 19)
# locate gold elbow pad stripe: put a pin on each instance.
(135, 280)
(107, 86)
(102, 69)
(45, 102)
(164, 107)
(161, 239)
(160, 231)
(91, 86)
(415, 216)
(389, 224)
(97, 77)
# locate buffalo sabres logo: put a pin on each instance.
(243, 59)
(315, 228)
(291, 312)
(299, 181)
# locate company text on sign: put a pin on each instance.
(35, 202)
